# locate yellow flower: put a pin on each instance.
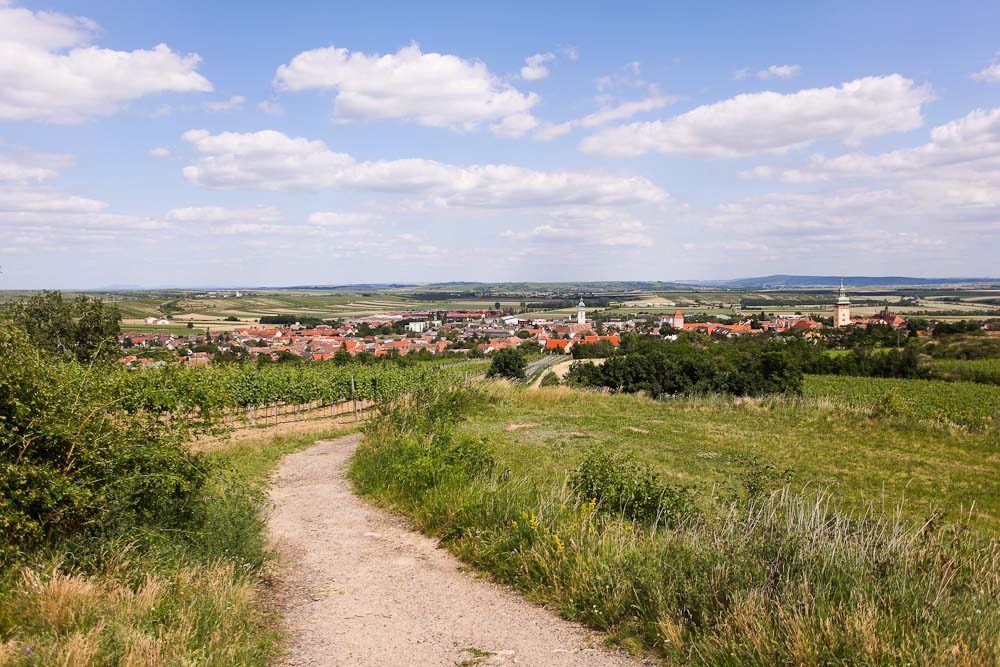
(559, 544)
(514, 524)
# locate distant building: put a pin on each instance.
(676, 321)
(842, 308)
(581, 312)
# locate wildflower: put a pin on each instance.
(514, 524)
(559, 544)
(534, 521)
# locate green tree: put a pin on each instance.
(508, 363)
(83, 329)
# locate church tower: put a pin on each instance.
(842, 309)
(581, 312)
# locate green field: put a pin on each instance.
(707, 442)
(971, 370)
(968, 404)
(710, 531)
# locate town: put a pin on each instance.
(470, 333)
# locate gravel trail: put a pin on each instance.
(358, 588)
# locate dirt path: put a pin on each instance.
(360, 589)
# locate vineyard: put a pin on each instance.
(969, 404)
(986, 371)
(213, 398)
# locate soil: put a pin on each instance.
(358, 588)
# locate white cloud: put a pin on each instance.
(259, 213)
(625, 233)
(272, 107)
(534, 66)
(780, 72)
(25, 167)
(989, 74)
(234, 103)
(964, 149)
(340, 218)
(741, 74)
(50, 73)
(773, 122)
(627, 77)
(434, 89)
(270, 160)
(607, 114)
(160, 151)
(732, 246)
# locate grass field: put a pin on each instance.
(789, 546)
(709, 444)
(972, 405)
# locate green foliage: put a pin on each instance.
(550, 379)
(598, 350)
(670, 368)
(508, 363)
(986, 371)
(82, 329)
(622, 487)
(72, 465)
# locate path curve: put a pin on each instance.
(359, 588)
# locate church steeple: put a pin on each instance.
(842, 308)
(581, 312)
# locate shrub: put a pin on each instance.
(550, 380)
(621, 486)
(508, 363)
(73, 465)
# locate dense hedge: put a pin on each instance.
(72, 464)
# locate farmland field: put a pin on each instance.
(971, 370)
(969, 404)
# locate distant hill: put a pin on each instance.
(786, 281)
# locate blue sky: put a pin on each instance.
(251, 144)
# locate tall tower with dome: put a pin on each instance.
(581, 312)
(842, 308)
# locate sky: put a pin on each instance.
(271, 144)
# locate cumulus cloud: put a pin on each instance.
(534, 66)
(50, 72)
(271, 160)
(780, 72)
(770, 122)
(967, 148)
(234, 103)
(434, 89)
(160, 151)
(606, 114)
(259, 213)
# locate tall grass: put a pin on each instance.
(779, 578)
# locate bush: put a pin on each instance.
(620, 486)
(550, 380)
(508, 363)
(72, 464)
